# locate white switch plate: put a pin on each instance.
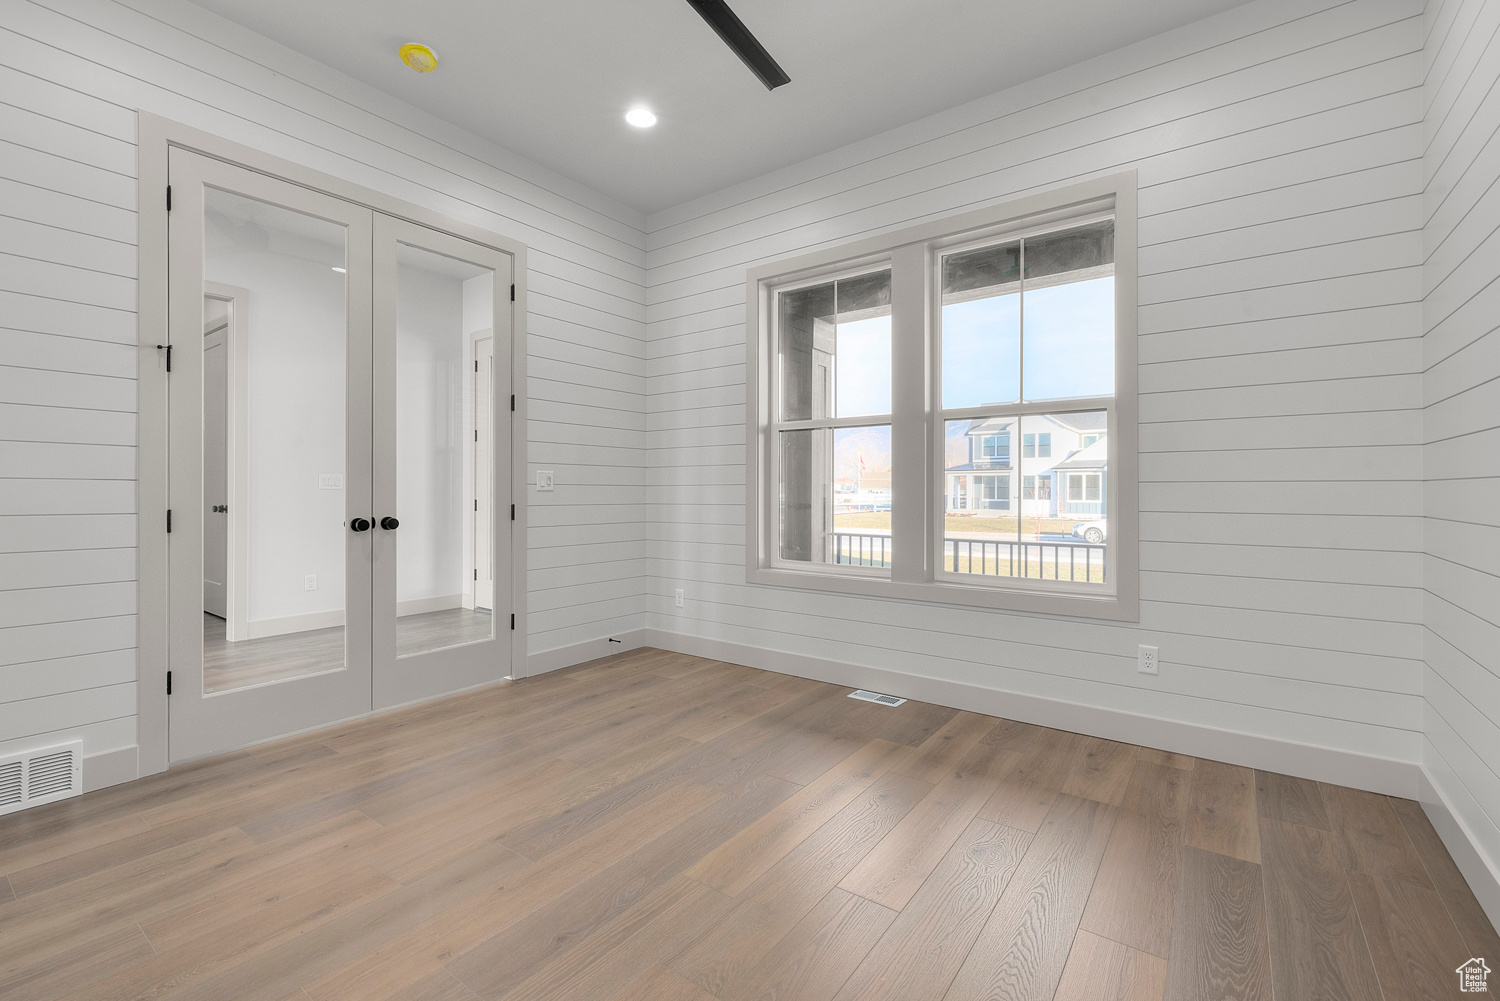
(1147, 660)
(330, 481)
(310, 582)
(679, 597)
(544, 479)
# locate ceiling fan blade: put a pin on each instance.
(738, 37)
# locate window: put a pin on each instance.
(1009, 325)
(833, 432)
(1037, 446)
(1085, 489)
(1037, 488)
(992, 493)
(1027, 325)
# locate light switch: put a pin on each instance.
(544, 479)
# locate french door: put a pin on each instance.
(337, 404)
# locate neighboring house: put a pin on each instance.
(1052, 467)
(1080, 480)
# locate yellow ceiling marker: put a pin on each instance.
(419, 57)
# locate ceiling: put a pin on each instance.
(551, 79)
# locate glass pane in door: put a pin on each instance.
(282, 439)
(444, 550)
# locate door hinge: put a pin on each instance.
(476, 364)
(512, 512)
(513, 620)
(169, 198)
(512, 402)
(169, 682)
(476, 573)
(476, 434)
(476, 503)
(512, 291)
(169, 521)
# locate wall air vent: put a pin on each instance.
(40, 776)
(12, 788)
(885, 700)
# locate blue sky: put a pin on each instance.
(1070, 345)
(863, 368)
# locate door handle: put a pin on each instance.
(389, 524)
(359, 525)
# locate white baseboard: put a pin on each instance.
(1324, 764)
(581, 653)
(437, 603)
(257, 628)
(108, 768)
(1480, 872)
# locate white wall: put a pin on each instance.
(433, 372)
(296, 346)
(1278, 147)
(72, 74)
(1461, 397)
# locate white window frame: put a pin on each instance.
(918, 476)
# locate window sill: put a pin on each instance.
(1119, 606)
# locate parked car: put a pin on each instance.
(1090, 531)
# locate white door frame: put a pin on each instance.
(156, 135)
(236, 453)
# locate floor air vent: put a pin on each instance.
(41, 776)
(885, 700)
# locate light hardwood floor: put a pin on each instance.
(227, 666)
(654, 827)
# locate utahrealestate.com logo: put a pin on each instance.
(1473, 977)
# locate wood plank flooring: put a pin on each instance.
(656, 827)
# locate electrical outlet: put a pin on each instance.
(310, 582)
(330, 481)
(679, 598)
(544, 479)
(1146, 662)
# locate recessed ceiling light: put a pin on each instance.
(419, 57)
(641, 118)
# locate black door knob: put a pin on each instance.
(360, 525)
(389, 524)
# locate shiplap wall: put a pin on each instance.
(1461, 395)
(1278, 149)
(72, 74)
